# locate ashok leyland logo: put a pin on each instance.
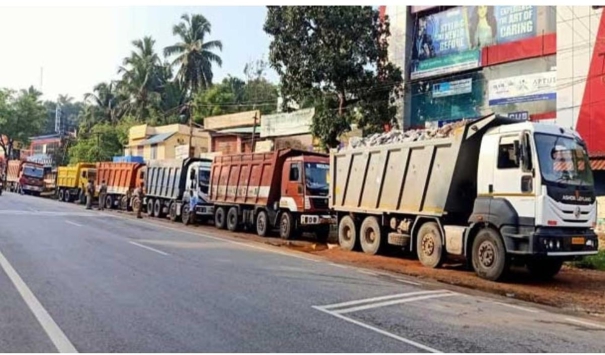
(576, 213)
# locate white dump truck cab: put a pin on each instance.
(198, 181)
(534, 187)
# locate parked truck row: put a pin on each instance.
(497, 192)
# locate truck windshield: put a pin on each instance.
(316, 178)
(563, 160)
(204, 179)
(34, 172)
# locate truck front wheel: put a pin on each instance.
(544, 269)
(489, 255)
(219, 218)
(370, 236)
(347, 233)
(286, 226)
(429, 246)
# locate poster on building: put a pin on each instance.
(286, 124)
(450, 88)
(523, 88)
(451, 41)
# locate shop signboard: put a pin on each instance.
(520, 116)
(287, 124)
(450, 88)
(523, 88)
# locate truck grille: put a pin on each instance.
(320, 203)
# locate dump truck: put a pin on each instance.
(50, 180)
(285, 188)
(25, 176)
(72, 181)
(172, 185)
(495, 193)
(121, 180)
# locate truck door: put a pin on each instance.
(292, 188)
(513, 181)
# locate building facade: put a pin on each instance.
(164, 142)
(542, 63)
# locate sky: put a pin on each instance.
(80, 47)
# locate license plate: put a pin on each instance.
(577, 240)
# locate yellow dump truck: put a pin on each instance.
(72, 180)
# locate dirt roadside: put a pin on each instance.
(575, 290)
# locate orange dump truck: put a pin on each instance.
(287, 189)
(121, 180)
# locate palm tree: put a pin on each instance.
(194, 56)
(142, 75)
(106, 104)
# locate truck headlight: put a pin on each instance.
(558, 244)
(590, 243)
(551, 244)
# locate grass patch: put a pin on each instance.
(594, 262)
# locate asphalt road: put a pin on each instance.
(87, 281)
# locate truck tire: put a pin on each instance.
(429, 245)
(220, 218)
(109, 202)
(157, 209)
(61, 195)
(68, 197)
(287, 229)
(489, 255)
(262, 226)
(347, 233)
(124, 203)
(370, 236)
(232, 219)
(150, 207)
(174, 217)
(544, 269)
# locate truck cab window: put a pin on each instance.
(294, 172)
(506, 156)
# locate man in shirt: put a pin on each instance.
(139, 194)
(102, 195)
(90, 190)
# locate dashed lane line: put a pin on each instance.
(149, 248)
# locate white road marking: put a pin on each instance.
(74, 223)
(409, 282)
(380, 298)
(595, 325)
(56, 335)
(338, 265)
(518, 307)
(394, 302)
(148, 248)
(367, 272)
(53, 213)
(378, 330)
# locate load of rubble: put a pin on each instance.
(397, 136)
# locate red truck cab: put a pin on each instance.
(31, 178)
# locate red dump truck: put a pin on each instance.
(286, 188)
(25, 176)
(121, 180)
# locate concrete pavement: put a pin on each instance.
(115, 284)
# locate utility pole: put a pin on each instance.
(254, 131)
(191, 150)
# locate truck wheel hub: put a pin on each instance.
(428, 245)
(370, 236)
(486, 254)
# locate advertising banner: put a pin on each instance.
(523, 88)
(450, 88)
(451, 40)
(287, 124)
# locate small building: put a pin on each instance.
(233, 133)
(289, 130)
(164, 142)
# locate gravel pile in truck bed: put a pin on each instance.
(397, 136)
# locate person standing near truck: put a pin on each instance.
(89, 193)
(102, 195)
(139, 194)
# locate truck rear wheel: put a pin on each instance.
(157, 209)
(261, 223)
(124, 203)
(489, 255)
(429, 245)
(68, 197)
(347, 233)
(232, 219)
(544, 269)
(109, 202)
(219, 218)
(370, 236)
(61, 195)
(286, 226)
(150, 207)
(172, 211)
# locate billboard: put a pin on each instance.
(287, 124)
(451, 41)
(523, 88)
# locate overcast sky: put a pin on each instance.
(79, 47)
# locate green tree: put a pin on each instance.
(194, 56)
(259, 93)
(106, 105)
(336, 58)
(22, 116)
(102, 143)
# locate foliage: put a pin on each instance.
(70, 112)
(595, 262)
(102, 143)
(335, 57)
(22, 116)
(194, 56)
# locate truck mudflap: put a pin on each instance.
(307, 219)
(550, 241)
